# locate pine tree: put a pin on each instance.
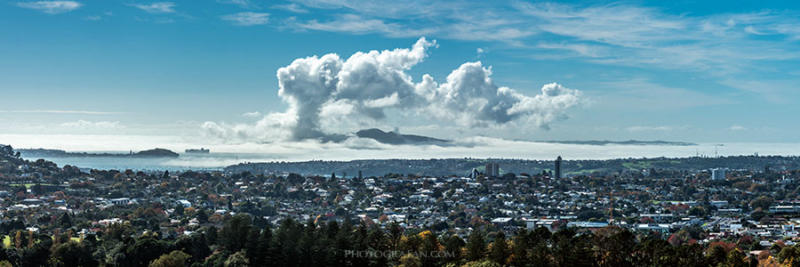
(395, 234)
(251, 246)
(360, 244)
(519, 252)
(377, 241)
(342, 244)
(430, 249)
(235, 232)
(539, 241)
(499, 252)
(264, 250)
(452, 247)
(211, 235)
(476, 246)
(306, 246)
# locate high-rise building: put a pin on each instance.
(492, 169)
(558, 167)
(718, 174)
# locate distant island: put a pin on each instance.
(628, 142)
(394, 138)
(57, 153)
(198, 151)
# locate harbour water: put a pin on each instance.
(495, 149)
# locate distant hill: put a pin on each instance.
(156, 152)
(462, 166)
(628, 142)
(394, 138)
(57, 153)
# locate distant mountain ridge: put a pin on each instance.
(463, 166)
(394, 138)
(151, 153)
(628, 142)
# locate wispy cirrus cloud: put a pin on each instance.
(53, 111)
(351, 23)
(253, 114)
(646, 95)
(51, 7)
(458, 20)
(157, 7)
(720, 45)
(737, 128)
(101, 16)
(639, 128)
(638, 36)
(293, 7)
(247, 18)
(241, 3)
(775, 91)
(84, 124)
(583, 50)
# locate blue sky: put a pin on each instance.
(669, 70)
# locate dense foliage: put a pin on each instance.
(241, 243)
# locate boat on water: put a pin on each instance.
(198, 151)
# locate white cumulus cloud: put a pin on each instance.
(370, 86)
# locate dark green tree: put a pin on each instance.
(145, 250)
(72, 254)
(452, 248)
(234, 233)
(736, 258)
(251, 246)
(211, 235)
(499, 252)
(519, 250)
(264, 242)
(476, 246)
(429, 249)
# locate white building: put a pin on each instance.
(718, 174)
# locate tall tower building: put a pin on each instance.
(492, 169)
(558, 167)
